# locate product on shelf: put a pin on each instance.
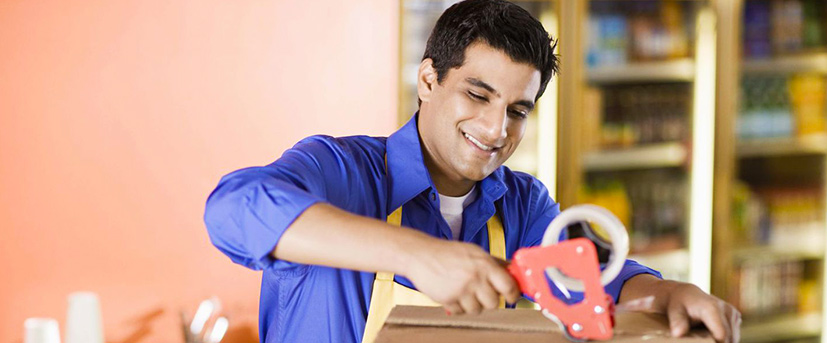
(787, 19)
(592, 119)
(807, 92)
(619, 33)
(750, 221)
(767, 286)
(781, 106)
(796, 217)
(645, 114)
(783, 27)
(765, 110)
(757, 29)
(608, 36)
(786, 218)
(651, 204)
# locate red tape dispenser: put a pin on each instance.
(573, 265)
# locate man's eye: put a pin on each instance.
(477, 96)
(518, 114)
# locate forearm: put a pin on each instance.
(328, 236)
(644, 285)
(461, 276)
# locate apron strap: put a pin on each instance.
(386, 293)
(496, 243)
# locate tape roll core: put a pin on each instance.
(609, 222)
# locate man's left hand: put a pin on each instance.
(686, 305)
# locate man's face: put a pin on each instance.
(474, 120)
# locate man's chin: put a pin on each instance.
(479, 175)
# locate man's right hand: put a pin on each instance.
(461, 276)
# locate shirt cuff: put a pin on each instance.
(630, 269)
(268, 211)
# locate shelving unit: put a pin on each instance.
(771, 179)
(642, 149)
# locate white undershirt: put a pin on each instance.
(451, 209)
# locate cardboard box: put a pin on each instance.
(432, 325)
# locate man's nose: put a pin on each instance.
(494, 124)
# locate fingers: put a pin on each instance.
(712, 315)
(678, 320)
(470, 304)
(735, 323)
(487, 296)
(502, 263)
(484, 297)
(453, 308)
(721, 318)
(505, 285)
(725, 321)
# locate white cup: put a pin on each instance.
(83, 320)
(41, 330)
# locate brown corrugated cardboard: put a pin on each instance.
(432, 325)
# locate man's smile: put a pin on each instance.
(480, 145)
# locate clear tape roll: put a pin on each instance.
(609, 222)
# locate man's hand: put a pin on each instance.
(461, 276)
(685, 305)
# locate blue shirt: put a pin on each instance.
(251, 208)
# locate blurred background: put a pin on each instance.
(700, 123)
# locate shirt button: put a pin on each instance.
(433, 196)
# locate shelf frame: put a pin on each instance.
(659, 155)
(681, 70)
(701, 182)
(804, 62)
(783, 146)
(784, 327)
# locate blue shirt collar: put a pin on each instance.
(409, 177)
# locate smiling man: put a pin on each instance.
(323, 220)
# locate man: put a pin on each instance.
(315, 219)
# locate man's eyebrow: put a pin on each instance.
(527, 103)
(480, 83)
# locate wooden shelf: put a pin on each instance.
(777, 252)
(814, 62)
(680, 70)
(781, 328)
(662, 155)
(672, 264)
(810, 144)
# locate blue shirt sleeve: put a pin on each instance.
(251, 208)
(542, 212)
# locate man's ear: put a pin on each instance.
(426, 79)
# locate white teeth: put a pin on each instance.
(477, 143)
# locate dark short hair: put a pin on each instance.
(502, 25)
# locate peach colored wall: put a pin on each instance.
(117, 118)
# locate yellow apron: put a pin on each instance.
(387, 293)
